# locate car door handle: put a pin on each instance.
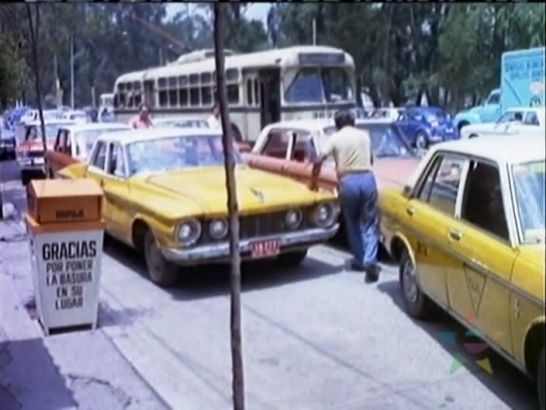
(455, 234)
(410, 211)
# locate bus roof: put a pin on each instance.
(283, 57)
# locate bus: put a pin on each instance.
(262, 87)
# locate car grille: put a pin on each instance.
(254, 226)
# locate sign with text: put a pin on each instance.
(67, 276)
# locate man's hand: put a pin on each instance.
(317, 165)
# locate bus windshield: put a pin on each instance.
(319, 85)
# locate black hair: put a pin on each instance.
(343, 118)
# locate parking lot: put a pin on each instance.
(313, 337)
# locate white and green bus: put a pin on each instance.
(262, 88)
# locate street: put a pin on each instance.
(316, 337)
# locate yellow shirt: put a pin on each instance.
(351, 149)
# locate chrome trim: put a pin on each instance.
(219, 250)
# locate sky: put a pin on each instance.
(256, 11)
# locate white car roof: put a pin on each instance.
(52, 121)
(77, 127)
(175, 119)
(320, 123)
(147, 134)
(503, 149)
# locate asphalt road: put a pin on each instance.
(316, 337)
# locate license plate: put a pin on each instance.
(264, 249)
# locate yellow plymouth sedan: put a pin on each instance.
(468, 234)
(164, 193)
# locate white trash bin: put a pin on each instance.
(65, 237)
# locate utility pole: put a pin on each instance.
(233, 212)
(72, 71)
(33, 39)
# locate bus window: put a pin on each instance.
(173, 82)
(206, 95)
(249, 99)
(206, 78)
(306, 87)
(162, 82)
(194, 79)
(183, 97)
(256, 92)
(194, 96)
(233, 93)
(232, 74)
(173, 98)
(183, 80)
(163, 98)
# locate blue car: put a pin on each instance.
(423, 126)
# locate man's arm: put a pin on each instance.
(318, 161)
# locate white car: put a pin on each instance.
(76, 116)
(517, 120)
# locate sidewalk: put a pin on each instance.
(80, 369)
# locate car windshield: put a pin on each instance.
(387, 141)
(86, 139)
(435, 115)
(529, 187)
(314, 85)
(35, 133)
(175, 153)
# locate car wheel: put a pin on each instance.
(161, 271)
(416, 302)
(421, 141)
(472, 135)
(461, 126)
(541, 382)
(292, 259)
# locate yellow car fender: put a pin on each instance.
(398, 243)
(164, 234)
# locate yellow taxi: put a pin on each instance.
(468, 234)
(164, 193)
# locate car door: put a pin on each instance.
(428, 215)
(406, 125)
(96, 170)
(116, 191)
(479, 283)
(490, 109)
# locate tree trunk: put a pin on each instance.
(229, 164)
(38, 85)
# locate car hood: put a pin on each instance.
(256, 190)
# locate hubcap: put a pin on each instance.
(409, 282)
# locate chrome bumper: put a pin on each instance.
(221, 250)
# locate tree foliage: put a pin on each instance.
(446, 51)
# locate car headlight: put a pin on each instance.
(218, 228)
(189, 232)
(324, 215)
(293, 218)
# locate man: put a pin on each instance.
(352, 152)
(142, 119)
(214, 120)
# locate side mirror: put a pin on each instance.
(406, 191)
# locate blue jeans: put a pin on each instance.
(358, 196)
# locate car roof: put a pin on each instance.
(538, 110)
(174, 119)
(503, 149)
(312, 124)
(50, 121)
(75, 127)
(147, 134)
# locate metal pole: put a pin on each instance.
(72, 72)
(314, 32)
(233, 213)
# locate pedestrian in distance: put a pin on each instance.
(214, 120)
(352, 152)
(142, 119)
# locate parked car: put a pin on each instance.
(468, 235)
(30, 151)
(288, 147)
(165, 194)
(74, 142)
(78, 116)
(519, 120)
(387, 113)
(423, 126)
(7, 140)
